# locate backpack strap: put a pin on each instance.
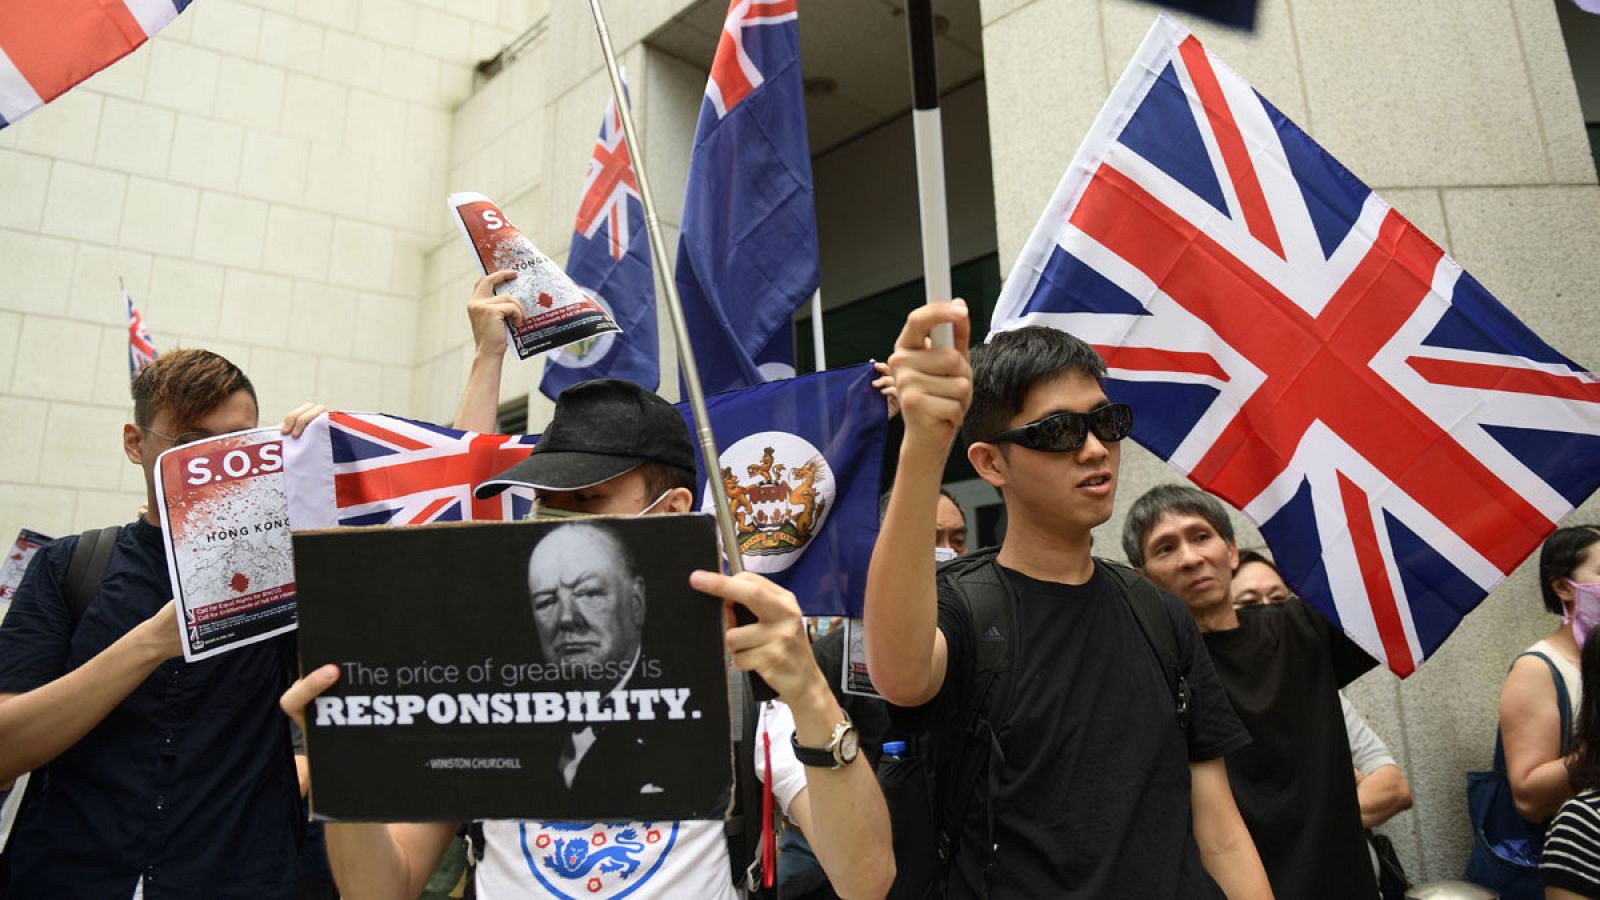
(986, 702)
(1150, 611)
(87, 569)
(1563, 704)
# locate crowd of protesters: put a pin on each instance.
(1048, 723)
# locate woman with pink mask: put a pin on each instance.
(1542, 693)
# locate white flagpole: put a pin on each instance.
(709, 457)
(929, 138)
(818, 350)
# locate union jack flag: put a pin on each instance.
(371, 469)
(46, 48)
(141, 349)
(610, 260)
(609, 186)
(1295, 346)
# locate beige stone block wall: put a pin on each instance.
(262, 175)
(1461, 114)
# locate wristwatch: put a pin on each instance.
(841, 750)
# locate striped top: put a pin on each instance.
(1572, 846)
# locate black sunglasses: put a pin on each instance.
(1064, 432)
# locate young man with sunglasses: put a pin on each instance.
(1097, 786)
(1282, 666)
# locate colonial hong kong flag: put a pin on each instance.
(610, 260)
(370, 469)
(747, 256)
(801, 459)
(47, 47)
(141, 349)
(1295, 346)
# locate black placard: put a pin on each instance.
(479, 659)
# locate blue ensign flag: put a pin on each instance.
(801, 460)
(747, 256)
(610, 260)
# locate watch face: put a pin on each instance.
(849, 745)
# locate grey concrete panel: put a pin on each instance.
(1045, 71)
(1538, 251)
(1421, 93)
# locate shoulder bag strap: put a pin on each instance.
(87, 569)
(1563, 704)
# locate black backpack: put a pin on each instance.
(85, 570)
(930, 793)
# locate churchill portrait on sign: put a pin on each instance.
(573, 675)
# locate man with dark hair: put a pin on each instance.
(1256, 582)
(151, 774)
(1104, 777)
(949, 525)
(595, 457)
(1282, 666)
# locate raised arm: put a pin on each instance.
(480, 401)
(906, 653)
(1530, 728)
(840, 811)
(1226, 849)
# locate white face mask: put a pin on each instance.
(944, 554)
(653, 504)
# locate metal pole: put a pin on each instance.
(928, 136)
(818, 347)
(709, 457)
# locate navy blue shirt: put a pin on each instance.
(188, 783)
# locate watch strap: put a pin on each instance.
(819, 757)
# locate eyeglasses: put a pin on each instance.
(1064, 432)
(188, 437)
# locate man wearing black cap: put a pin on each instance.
(612, 447)
(615, 448)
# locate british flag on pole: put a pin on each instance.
(1295, 346)
(141, 348)
(610, 260)
(369, 469)
(46, 48)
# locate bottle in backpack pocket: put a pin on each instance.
(908, 791)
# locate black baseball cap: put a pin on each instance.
(601, 429)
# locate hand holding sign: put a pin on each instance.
(775, 645)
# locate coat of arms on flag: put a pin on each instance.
(1298, 348)
(801, 459)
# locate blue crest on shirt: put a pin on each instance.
(604, 860)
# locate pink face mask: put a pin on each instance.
(1584, 614)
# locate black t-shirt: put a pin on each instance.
(1095, 799)
(1295, 785)
(188, 783)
